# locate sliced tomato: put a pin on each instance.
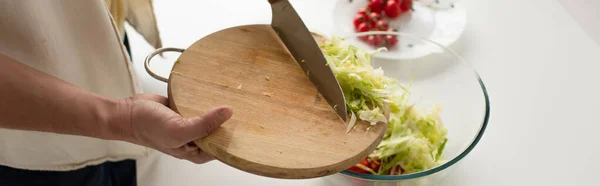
(375, 164)
(361, 167)
(357, 169)
(364, 162)
(396, 170)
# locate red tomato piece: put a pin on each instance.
(372, 25)
(363, 38)
(396, 170)
(364, 162)
(392, 9)
(375, 5)
(405, 7)
(381, 39)
(375, 16)
(376, 164)
(382, 25)
(357, 169)
(358, 19)
(373, 41)
(391, 40)
(363, 27)
(362, 11)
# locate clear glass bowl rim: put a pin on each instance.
(449, 163)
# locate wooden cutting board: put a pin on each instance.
(281, 127)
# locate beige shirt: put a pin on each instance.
(78, 42)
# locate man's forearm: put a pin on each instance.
(33, 100)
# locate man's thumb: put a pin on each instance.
(199, 127)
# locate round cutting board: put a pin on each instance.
(282, 127)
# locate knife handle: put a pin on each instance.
(273, 1)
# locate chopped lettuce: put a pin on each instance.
(415, 138)
(366, 89)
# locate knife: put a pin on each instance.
(299, 41)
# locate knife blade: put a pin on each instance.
(299, 41)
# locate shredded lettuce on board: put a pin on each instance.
(415, 138)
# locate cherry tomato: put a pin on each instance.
(404, 7)
(363, 27)
(382, 25)
(358, 19)
(391, 40)
(362, 11)
(392, 9)
(374, 41)
(375, 5)
(375, 16)
(363, 38)
(370, 39)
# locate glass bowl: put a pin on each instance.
(442, 77)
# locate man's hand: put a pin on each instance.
(147, 120)
(53, 105)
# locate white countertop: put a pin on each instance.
(539, 65)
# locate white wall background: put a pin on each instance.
(587, 14)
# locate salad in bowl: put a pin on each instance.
(415, 137)
(435, 108)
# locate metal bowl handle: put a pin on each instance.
(149, 58)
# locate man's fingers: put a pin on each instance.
(177, 153)
(199, 157)
(184, 150)
(199, 127)
(195, 156)
(190, 147)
